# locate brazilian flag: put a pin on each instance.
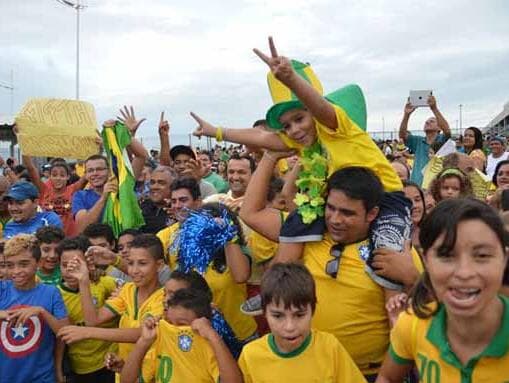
(122, 210)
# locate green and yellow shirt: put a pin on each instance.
(424, 341)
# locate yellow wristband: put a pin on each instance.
(219, 133)
(117, 261)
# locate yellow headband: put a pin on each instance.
(453, 172)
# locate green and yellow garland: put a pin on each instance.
(311, 183)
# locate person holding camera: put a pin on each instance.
(419, 145)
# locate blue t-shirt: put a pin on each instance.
(26, 351)
(45, 218)
(84, 200)
(420, 148)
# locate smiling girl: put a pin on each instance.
(450, 183)
(459, 327)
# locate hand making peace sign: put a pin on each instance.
(280, 66)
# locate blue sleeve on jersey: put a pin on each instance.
(78, 202)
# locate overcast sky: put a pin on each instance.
(195, 55)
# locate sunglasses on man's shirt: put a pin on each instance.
(332, 266)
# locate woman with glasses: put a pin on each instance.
(458, 328)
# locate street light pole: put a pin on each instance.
(77, 50)
(78, 7)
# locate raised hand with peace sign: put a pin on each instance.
(314, 102)
(280, 66)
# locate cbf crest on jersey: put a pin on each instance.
(22, 340)
(364, 251)
(185, 340)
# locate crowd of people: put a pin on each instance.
(301, 251)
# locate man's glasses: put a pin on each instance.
(95, 170)
(332, 266)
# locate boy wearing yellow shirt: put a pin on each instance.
(293, 352)
(138, 299)
(183, 347)
(86, 356)
(329, 134)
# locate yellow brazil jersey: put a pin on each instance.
(228, 295)
(350, 306)
(262, 249)
(125, 305)
(167, 237)
(425, 342)
(87, 356)
(179, 355)
(351, 146)
(320, 358)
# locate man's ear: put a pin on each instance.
(372, 214)
(160, 264)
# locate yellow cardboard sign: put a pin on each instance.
(49, 127)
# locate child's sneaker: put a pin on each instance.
(252, 306)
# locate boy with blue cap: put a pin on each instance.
(22, 203)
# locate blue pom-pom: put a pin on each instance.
(199, 237)
(224, 330)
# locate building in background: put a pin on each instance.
(500, 124)
(8, 141)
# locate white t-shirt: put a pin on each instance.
(492, 163)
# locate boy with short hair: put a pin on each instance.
(48, 271)
(86, 356)
(22, 202)
(137, 299)
(192, 279)
(102, 240)
(30, 314)
(293, 350)
(200, 355)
